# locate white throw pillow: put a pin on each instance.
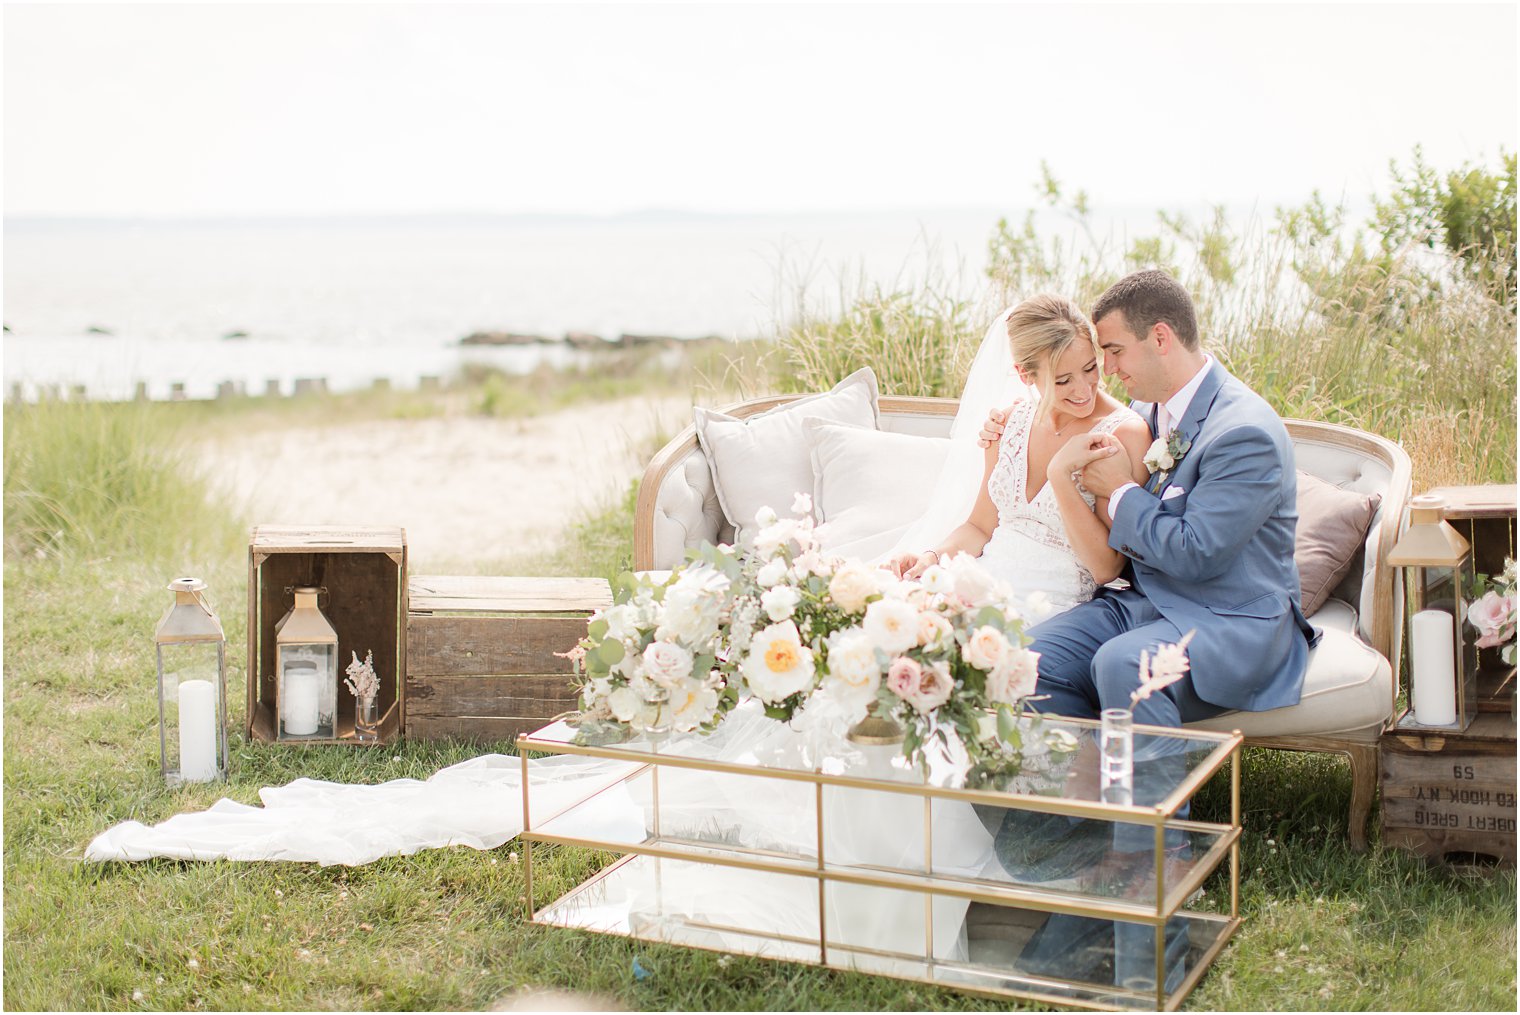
(870, 485)
(763, 461)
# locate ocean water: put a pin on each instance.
(356, 300)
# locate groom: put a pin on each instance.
(1210, 545)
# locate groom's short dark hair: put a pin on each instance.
(1146, 298)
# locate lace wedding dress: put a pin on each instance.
(1029, 549)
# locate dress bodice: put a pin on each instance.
(1031, 536)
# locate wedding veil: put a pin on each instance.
(991, 383)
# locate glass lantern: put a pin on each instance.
(1438, 573)
(306, 671)
(192, 688)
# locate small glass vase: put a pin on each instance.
(367, 720)
(1116, 742)
(659, 727)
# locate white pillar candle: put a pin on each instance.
(298, 707)
(1435, 681)
(197, 731)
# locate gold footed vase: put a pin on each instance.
(875, 730)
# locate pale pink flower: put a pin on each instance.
(902, 677)
(924, 687)
(1014, 677)
(1166, 667)
(1493, 617)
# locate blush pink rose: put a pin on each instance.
(903, 676)
(1493, 617)
(924, 687)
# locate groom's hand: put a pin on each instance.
(1107, 466)
(992, 430)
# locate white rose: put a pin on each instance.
(802, 504)
(892, 626)
(666, 663)
(770, 540)
(1014, 677)
(1157, 458)
(765, 518)
(985, 648)
(778, 665)
(851, 586)
(771, 574)
(622, 622)
(691, 615)
(625, 704)
(854, 671)
(973, 585)
(937, 580)
(780, 602)
(986, 727)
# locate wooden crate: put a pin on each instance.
(480, 653)
(364, 572)
(1450, 797)
(1485, 515)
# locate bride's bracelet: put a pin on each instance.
(935, 552)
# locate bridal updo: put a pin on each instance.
(1040, 330)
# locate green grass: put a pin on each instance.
(444, 929)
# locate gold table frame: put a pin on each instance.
(1169, 901)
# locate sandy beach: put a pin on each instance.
(467, 489)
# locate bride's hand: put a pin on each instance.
(1079, 452)
(992, 430)
(911, 565)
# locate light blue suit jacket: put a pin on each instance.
(1211, 546)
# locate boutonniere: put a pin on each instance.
(1164, 455)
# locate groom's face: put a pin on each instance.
(1135, 361)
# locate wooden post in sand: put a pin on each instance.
(177, 391)
(140, 393)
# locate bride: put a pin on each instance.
(1033, 524)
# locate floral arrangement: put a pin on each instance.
(1492, 615)
(821, 642)
(361, 681)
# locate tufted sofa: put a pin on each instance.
(1351, 686)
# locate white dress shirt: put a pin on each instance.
(1175, 408)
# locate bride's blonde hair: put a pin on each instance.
(1040, 330)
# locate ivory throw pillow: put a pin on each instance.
(763, 461)
(869, 485)
(1332, 526)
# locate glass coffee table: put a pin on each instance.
(1049, 883)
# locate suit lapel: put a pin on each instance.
(1197, 411)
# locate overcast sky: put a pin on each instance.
(213, 110)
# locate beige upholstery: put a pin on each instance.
(1351, 686)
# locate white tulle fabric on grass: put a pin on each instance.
(478, 803)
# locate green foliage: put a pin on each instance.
(1469, 214)
(105, 479)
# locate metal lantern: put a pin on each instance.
(192, 688)
(1438, 574)
(306, 671)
